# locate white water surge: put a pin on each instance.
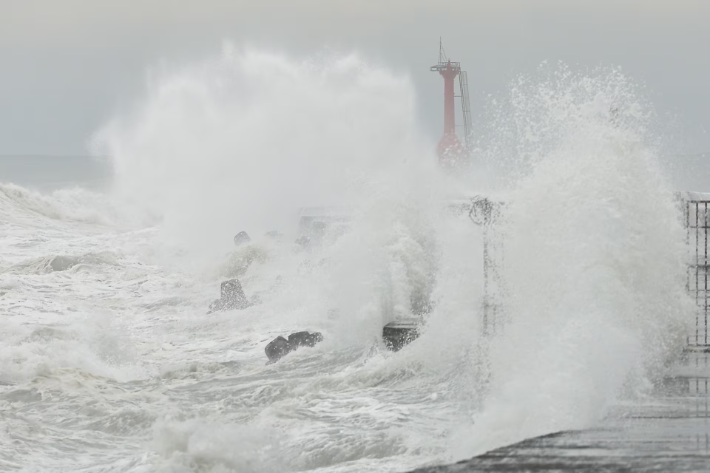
(113, 365)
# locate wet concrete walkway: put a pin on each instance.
(667, 433)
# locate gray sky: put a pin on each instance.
(66, 65)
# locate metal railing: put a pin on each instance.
(697, 225)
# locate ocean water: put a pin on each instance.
(50, 173)
(113, 364)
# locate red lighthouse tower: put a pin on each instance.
(450, 148)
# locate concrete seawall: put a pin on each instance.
(667, 432)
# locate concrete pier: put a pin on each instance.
(670, 432)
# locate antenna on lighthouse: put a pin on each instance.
(442, 53)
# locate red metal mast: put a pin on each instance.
(450, 147)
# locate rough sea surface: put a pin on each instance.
(113, 364)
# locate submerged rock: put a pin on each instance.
(280, 347)
(62, 263)
(241, 259)
(305, 339)
(241, 238)
(303, 241)
(232, 297)
(58, 263)
(318, 230)
(277, 348)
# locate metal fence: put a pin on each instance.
(697, 224)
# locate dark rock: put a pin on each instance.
(241, 238)
(398, 334)
(305, 339)
(277, 348)
(280, 347)
(232, 297)
(274, 234)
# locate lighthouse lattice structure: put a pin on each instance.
(450, 148)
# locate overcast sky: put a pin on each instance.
(65, 65)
